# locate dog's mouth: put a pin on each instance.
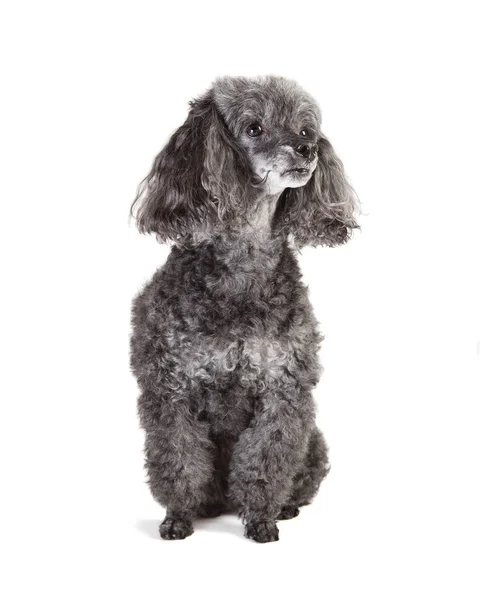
(296, 171)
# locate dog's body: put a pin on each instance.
(224, 343)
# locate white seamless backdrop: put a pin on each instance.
(91, 91)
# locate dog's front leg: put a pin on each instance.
(179, 461)
(267, 456)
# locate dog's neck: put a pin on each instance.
(259, 221)
(249, 255)
(245, 257)
(255, 228)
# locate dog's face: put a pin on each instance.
(278, 158)
(277, 124)
(244, 138)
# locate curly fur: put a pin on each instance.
(224, 342)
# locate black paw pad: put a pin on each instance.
(288, 512)
(263, 531)
(175, 529)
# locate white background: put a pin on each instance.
(91, 91)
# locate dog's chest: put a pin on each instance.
(249, 362)
(232, 378)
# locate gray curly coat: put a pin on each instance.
(224, 342)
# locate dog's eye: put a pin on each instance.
(254, 130)
(304, 133)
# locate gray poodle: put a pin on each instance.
(224, 342)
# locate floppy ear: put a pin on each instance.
(196, 180)
(323, 210)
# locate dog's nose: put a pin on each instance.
(305, 150)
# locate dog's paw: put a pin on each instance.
(175, 529)
(288, 512)
(262, 531)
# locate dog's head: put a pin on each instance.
(244, 140)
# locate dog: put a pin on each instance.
(224, 341)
